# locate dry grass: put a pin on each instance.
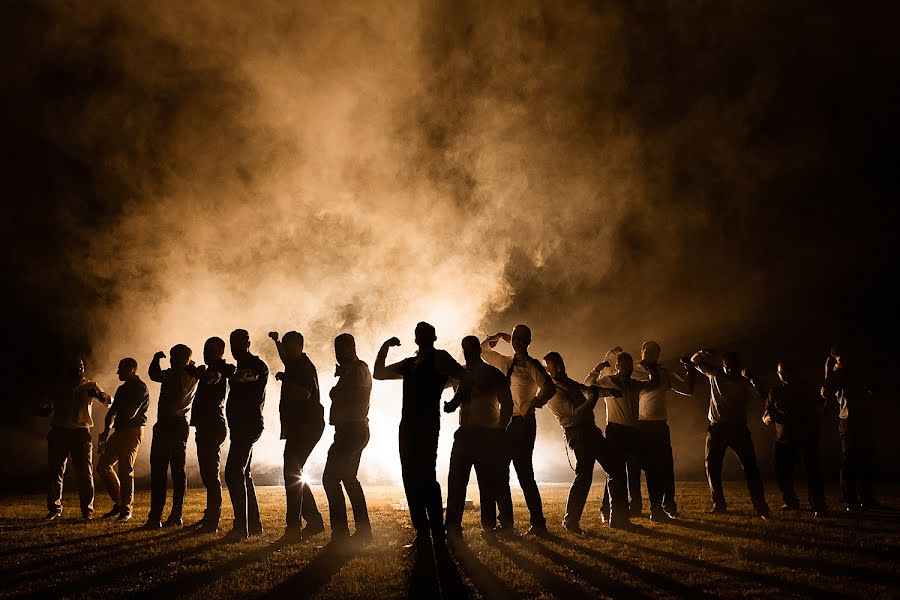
(733, 556)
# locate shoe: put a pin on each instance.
(790, 506)
(312, 529)
(151, 525)
(205, 526)
(660, 516)
(672, 510)
(52, 515)
(623, 523)
(173, 522)
(86, 517)
(421, 541)
(234, 536)
(454, 534)
(291, 535)
(574, 529)
(258, 530)
(124, 517)
(506, 532)
(764, 516)
(718, 510)
(537, 531)
(113, 513)
(339, 545)
(362, 536)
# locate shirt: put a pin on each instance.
(212, 386)
(131, 402)
(176, 392)
(300, 403)
(573, 405)
(525, 377)
(424, 378)
(72, 408)
(729, 397)
(851, 392)
(246, 399)
(483, 391)
(625, 409)
(653, 401)
(350, 395)
(793, 408)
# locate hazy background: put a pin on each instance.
(694, 173)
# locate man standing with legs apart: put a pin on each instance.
(731, 390)
(129, 408)
(530, 387)
(246, 399)
(350, 418)
(573, 406)
(302, 424)
(485, 407)
(846, 384)
(794, 408)
(424, 376)
(70, 435)
(208, 419)
(655, 439)
(170, 434)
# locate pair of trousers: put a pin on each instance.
(209, 438)
(418, 465)
(63, 443)
(520, 437)
(240, 481)
(168, 450)
(120, 454)
(481, 448)
(785, 458)
(857, 458)
(658, 463)
(627, 442)
(719, 438)
(298, 445)
(589, 445)
(342, 466)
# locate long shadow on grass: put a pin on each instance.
(550, 581)
(482, 577)
(434, 574)
(313, 576)
(119, 571)
(63, 542)
(656, 580)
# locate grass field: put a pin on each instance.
(700, 556)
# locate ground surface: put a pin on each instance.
(701, 556)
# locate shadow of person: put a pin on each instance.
(313, 576)
(488, 584)
(553, 583)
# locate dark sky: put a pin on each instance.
(705, 174)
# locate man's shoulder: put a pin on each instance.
(491, 371)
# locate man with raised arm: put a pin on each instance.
(424, 376)
(531, 387)
(731, 392)
(350, 417)
(129, 409)
(302, 424)
(210, 430)
(573, 406)
(485, 408)
(244, 410)
(170, 434)
(70, 435)
(657, 459)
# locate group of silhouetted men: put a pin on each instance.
(496, 395)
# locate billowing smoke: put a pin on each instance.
(605, 174)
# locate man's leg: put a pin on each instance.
(667, 471)
(209, 439)
(815, 483)
(865, 463)
(331, 481)
(293, 489)
(848, 457)
(504, 460)
(633, 467)
(177, 459)
(743, 447)
(488, 469)
(581, 486)
(360, 439)
(131, 437)
(57, 456)
(523, 456)
(308, 509)
(106, 467)
(716, 445)
(159, 467)
(254, 523)
(783, 460)
(235, 466)
(461, 463)
(80, 450)
(411, 485)
(431, 491)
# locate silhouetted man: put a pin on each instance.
(845, 383)
(210, 430)
(794, 408)
(424, 376)
(530, 387)
(350, 417)
(70, 435)
(170, 434)
(573, 406)
(129, 409)
(485, 408)
(621, 423)
(731, 390)
(302, 424)
(244, 410)
(657, 458)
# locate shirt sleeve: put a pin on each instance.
(494, 358)
(448, 366)
(538, 373)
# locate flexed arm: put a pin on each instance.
(382, 372)
(274, 336)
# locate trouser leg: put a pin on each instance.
(488, 470)
(667, 471)
(360, 439)
(716, 445)
(523, 461)
(209, 439)
(254, 523)
(815, 483)
(127, 457)
(613, 463)
(418, 456)
(80, 450)
(784, 459)
(293, 485)
(865, 462)
(848, 467)
(584, 476)
(335, 465)
(106, 466)
(461, 463)
(504, 493)
(743, 447)
(57, 456)
(160, 453)
(633, 468)
(236, 465)
(177, 459)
